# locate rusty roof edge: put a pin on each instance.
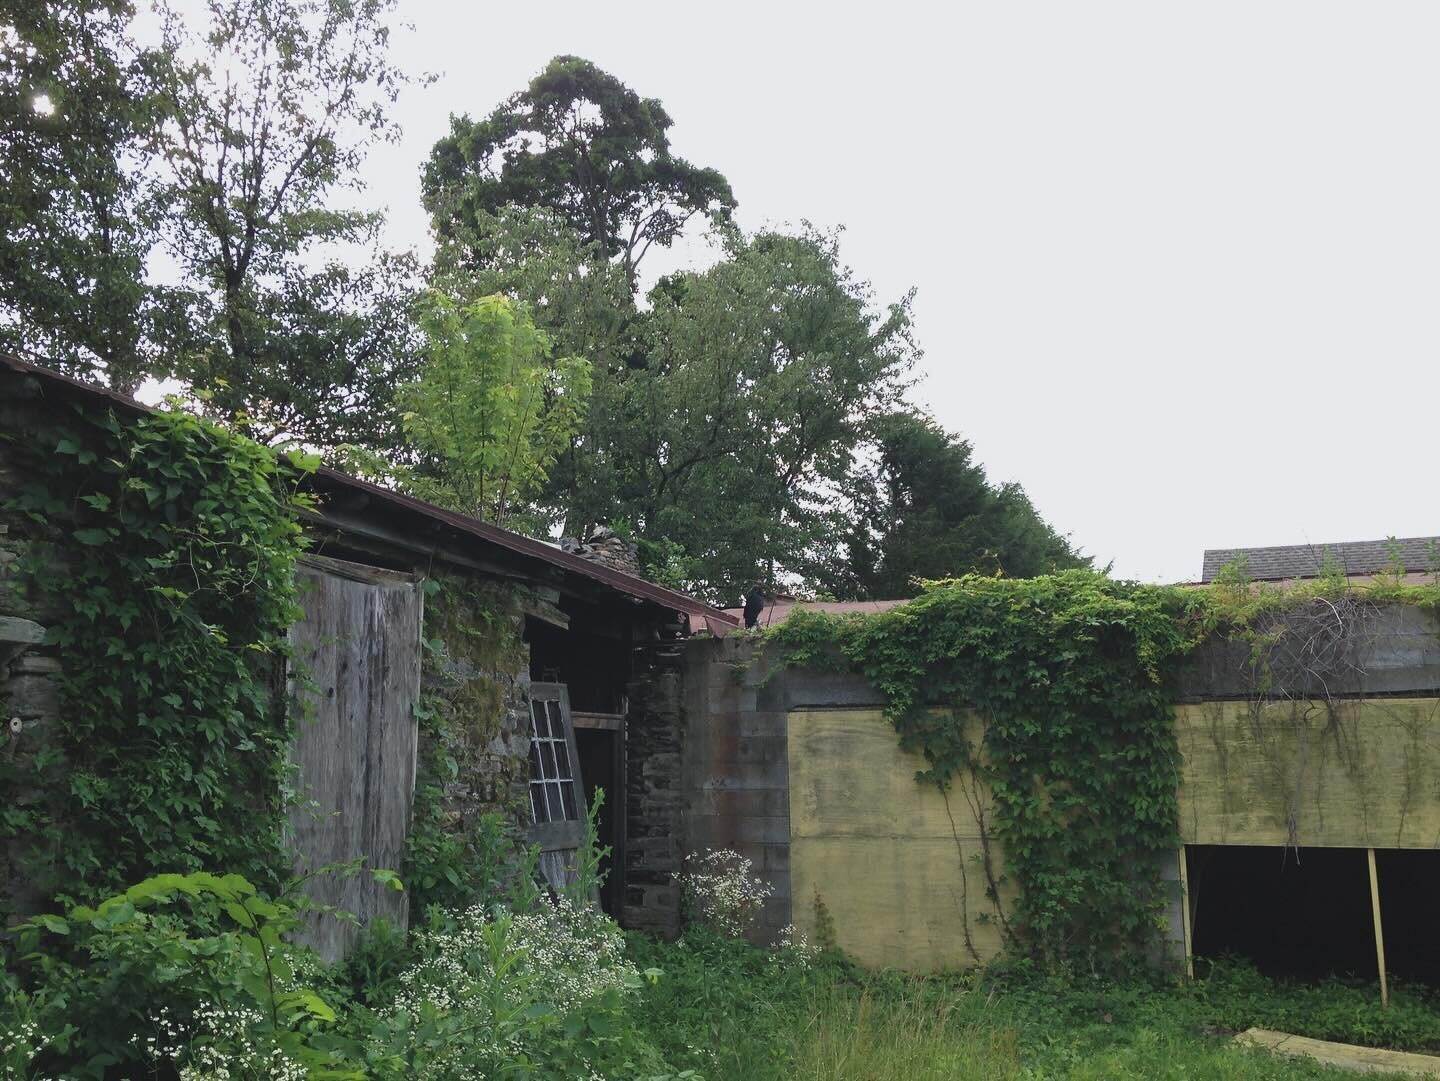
(504, 538)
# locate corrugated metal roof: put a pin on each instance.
(1309, 560)
(482, 531)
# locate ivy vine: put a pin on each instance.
(167, 546)
(1070, 676)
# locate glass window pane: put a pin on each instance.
(547, 760)
(557, 806)
(562, 760)
(534, 761)
(537, 718)
(557, 722)
(568, 789)
(537, 803)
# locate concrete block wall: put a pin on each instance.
(735, 778)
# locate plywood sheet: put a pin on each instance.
(1357, 773)
(896, 864)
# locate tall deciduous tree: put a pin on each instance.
(583, 302)
(583, 144)
(492, 409)
(920, 507)
(75, 108)
(268, 118)
(758, 377)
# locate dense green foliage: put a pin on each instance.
(173, 573)
(268, 112)
(921, 508)
(734, 1012)
(194, 972)
(492, 409)
(768, 386)
(579, 142)
(75, 103)
(728, 1011)
(229, 147)
(743, 420)
(1067, 676)
(190, 970)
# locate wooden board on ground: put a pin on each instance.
(1343, 1056)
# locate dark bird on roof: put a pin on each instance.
(754, 605)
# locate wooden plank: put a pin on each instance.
(356, 572)
(357, 678)
(1185, 914)
(557, 836)
(611, 722)
(1343, 1056)
(1379, 930)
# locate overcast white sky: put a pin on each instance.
(1177, 263)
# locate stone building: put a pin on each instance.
(529, 646)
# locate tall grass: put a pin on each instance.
(912, 1036)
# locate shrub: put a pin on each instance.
(540, 993)
(189, 971)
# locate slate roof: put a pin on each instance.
(1308, 560)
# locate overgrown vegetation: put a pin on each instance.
(730, 1011)
(767, 379)
(171, 569)
(192, 976)
(1046, 705)
(1073, 767)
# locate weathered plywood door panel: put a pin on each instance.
(357, 658)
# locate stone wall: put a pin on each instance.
(29, 670)
(474, 684)
(654, 742)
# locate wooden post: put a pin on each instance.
(1379, 931)
(1185, 914)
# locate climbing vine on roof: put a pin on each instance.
(1070, 676)
(168, 545)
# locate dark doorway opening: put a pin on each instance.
(1302, 913)
(600, 765)
(1409, 881)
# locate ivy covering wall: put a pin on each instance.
(1070, 675)
(1073, 677)
(166, 548)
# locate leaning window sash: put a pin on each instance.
(556, 805)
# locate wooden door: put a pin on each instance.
(557, 808)
(356, 656)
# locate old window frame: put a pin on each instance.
(545, 756)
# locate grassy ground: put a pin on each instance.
(728, 1011)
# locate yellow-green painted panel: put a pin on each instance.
(897, 864)
(1352, 774)
(899, 870)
